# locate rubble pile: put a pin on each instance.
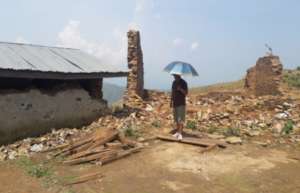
(29, 146)
(245, 115)
(229, 116)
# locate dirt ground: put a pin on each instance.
(172, 167)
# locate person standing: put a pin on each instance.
(178, 103)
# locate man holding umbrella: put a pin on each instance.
(179, 92)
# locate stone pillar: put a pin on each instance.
(265, 77)
(135, 80)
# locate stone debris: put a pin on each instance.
(234, 140)
(37, 147)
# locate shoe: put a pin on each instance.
(176, 135)
(179, 136)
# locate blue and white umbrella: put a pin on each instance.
(181, 68)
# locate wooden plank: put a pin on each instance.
(120, 155)
(73, 145)
(87, 152)
(55, 148)
(192, 141)
(93, 157)
(85, 178)
(102, 140)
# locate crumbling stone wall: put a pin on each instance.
(135, 80)
(264, 78)
(33, 112)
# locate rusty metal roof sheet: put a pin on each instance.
(34, 58)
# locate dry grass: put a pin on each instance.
(234, 85)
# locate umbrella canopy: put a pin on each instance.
(181, 68)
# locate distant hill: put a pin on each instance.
(112, 93)
(218, 87)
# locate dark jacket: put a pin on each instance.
(178, 98)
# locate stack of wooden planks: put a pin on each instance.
(103, 146)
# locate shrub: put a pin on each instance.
(288, 127)
(292, 79)
(156, 123)
(231, 131)
(130, 132)
(191, 125)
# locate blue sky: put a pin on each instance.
(221, 38)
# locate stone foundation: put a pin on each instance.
(264, 78)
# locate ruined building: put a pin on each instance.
(135, 80)
(48, 87)
(264, 78)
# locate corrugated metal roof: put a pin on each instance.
(14, 56)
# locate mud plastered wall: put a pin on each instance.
(32, 113)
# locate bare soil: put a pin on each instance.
(171, 167)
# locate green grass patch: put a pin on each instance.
(292, 78)
(131, 132)
(37, 170)
(156, 124)
(212, 129)
(231, 131)
(191, 124)
(288, 127)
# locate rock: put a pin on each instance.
(149, 108)
(234, 140)
(248, 123)
(263, 144)
(12, 155)
(278, 127)
(140, 139)
(215, 136)
(36, 147)
(3, 156)
(253, 133)
(281, 116)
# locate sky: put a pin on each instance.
(220, 38)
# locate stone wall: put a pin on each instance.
(135, 80)
(32, 112)
(264, 78)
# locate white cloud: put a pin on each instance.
(71, 37)
(194, 46)
(178, 42)
(21, 40)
